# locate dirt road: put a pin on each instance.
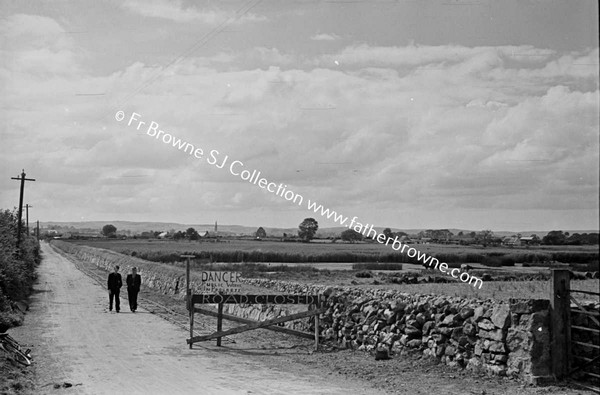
(75, 339)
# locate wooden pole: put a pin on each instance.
(561, 322)
(188, 294)
(27, 218)
(219, 323)
(22, 179)
(317, 306)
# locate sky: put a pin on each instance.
(405, 114)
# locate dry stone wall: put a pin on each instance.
(481, 335)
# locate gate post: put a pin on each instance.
(188, 295)
(560, 304)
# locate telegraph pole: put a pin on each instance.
(23, 179)
(27, 217)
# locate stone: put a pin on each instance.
(403, 340)
(469, 329)
(498, 335)
(440, 350)
(450, 351)
(412, 331)
(478, 313)
(446, 331)
(415, 343)
(500, 358)
(467, 312)
(497, 347)
(497, 370)
(486, 325)
(413, 323)
(486, 345)
(501, 316)
(457, 332)
(448, 320)
(478, 349)
(427, 327)
(515, 318)
(528, 306)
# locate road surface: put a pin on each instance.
(75, 339)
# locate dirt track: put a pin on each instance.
(75, 339)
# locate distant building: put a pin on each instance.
(511, 241)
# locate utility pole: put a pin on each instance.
(37, 233)
(27, 218)
(23, 179)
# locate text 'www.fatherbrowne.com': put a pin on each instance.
(237, 168)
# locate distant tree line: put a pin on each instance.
(557, 237)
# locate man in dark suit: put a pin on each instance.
(114, 288)
(134, 281)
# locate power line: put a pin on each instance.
(201, 42)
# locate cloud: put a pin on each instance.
(325, 37)
(388, 132)
(436, 56)
(36, 44)
(174, 10)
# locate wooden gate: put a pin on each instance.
(314, 302)
(576, 333)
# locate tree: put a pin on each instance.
(179, 235)
(192, 234)
(260, 233)
(485, 237)
(555, 237)
(387, 232)
(109, 230)
(307, 229)
(351, 235)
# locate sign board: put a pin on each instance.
(224, 282)
(256, 299)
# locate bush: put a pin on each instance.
(17, 268)
(363, 274)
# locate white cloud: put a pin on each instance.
(391, 128)
(325, 37)
(175, 10)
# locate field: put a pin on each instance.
(341, 273)
(317, 252)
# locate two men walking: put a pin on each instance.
(114, 284)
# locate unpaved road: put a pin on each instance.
(75, 339)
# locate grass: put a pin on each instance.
(497, 290)
(278, 252)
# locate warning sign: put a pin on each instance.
(224, 282)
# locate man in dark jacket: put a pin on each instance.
(114, 288)
(134, 281)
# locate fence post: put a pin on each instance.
(560, 303)
(188, 295)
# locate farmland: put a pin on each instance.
(234, 250)
(332, 273)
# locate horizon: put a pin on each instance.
(325, 228)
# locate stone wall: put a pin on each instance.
(481, 335)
